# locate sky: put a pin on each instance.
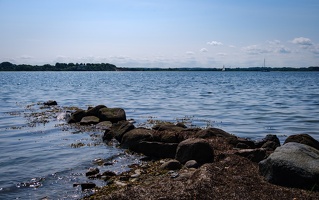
(161, 33)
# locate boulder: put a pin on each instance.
(303, 139)
(132, 138)
(95, 110)
(293, 165)
(105, 125)
(194, 149)
(171, 165)
(157, 149)
(120, 128)
(212, 132)
(255, 155)
(88, 120)
(77, 116)
(167, 127)
(112, 114)
(269, 138)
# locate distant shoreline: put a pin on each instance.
(7, 66)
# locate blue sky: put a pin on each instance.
(161, 33)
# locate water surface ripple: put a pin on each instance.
(247, 104)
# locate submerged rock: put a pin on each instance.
(50, 103)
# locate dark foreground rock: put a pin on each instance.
(195, 149)
(293, 165)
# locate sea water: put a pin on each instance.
(38, 160)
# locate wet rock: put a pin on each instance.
(167, 127)
(255, 155)
(105, 125)
(191, 164)
(77, 116)
(120, 128)
(88, 120)
(107, 135)
(92, 171)
(171, 165)
(107, 175)
(269, 138)
(95, 110)
(85, 186)
(113, 115)
(166, 136)
(293, 165)
(50, 103)
(195, 149)
(212, 132)
(132, 138)
(303, 139)
(157, 149)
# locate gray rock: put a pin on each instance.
(303, 139)
(171, 165)
(195, 149)
(293, 164)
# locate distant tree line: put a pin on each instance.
(7, 66)
(262, 69)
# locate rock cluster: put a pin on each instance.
(294, 164)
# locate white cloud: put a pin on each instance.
(190, 53)
(304, 42)
(203, 50)
(215, 43)
(254, 49)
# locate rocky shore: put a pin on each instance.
(195, 163)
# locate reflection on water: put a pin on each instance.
(38, 161)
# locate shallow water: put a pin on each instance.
(38, 161)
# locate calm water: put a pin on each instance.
(247, 104)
